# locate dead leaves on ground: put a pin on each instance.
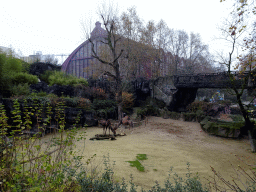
(169, 127)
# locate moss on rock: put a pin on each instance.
(221, 128)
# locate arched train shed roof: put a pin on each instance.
(81, 56)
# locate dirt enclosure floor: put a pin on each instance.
(167, 143)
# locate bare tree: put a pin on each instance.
(110, 43)
(50, 59)
(234, 32)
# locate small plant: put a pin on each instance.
(137, 163)
(141, 156)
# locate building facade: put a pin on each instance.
(137, 60)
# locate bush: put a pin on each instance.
(98, 93)
(237, 117)
(45, 76)
(21, 78)
(196, 105)
(105, 108)
(106, 183)
(12, 65)
(148, 111)
(40, 94)
(60, 78)
(71, 102)
(189, 116)
(174, 115)
(200, 115)
(127, 100)
(12, 73)
(20, 89)
(84, 103)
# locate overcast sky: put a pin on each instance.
(54, 26)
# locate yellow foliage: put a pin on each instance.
(128, 100)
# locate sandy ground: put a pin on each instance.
(167, 143)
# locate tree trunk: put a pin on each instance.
(119, 110)
(248, 125)
(252, 141)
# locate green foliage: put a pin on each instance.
(224, 102)
(237, 118)
(12, 65)
(22, 78)
(103, 107)
(173, 115)
(25, 165)
(189, 116)
(20, 89)
(200, 115)
(103, 104)
(197, 105)
(148, 111)
(25, 67)
(71, 102)
(39, 94)
(141, 156)
(45, 76)
(137, 164)
(13, 73)
(60, 78)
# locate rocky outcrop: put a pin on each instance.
(59, 90)
(41, 86)
(39, 68)
(221, 128)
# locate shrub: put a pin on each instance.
(200, 115)
(45, 76)
(104, 108)
(40, 94)
(127, 100)
(141, 113)
(98, 93)
(21, 78)
(12, 65)
(237, 117)
(174, 115)
(71, 102)
(148, 111)
(20, 89)
(60, 78)
(105, 182)
(84, 103)
(189, 116)
(196, 105)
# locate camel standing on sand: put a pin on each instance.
(107, 125)
(126, 121)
